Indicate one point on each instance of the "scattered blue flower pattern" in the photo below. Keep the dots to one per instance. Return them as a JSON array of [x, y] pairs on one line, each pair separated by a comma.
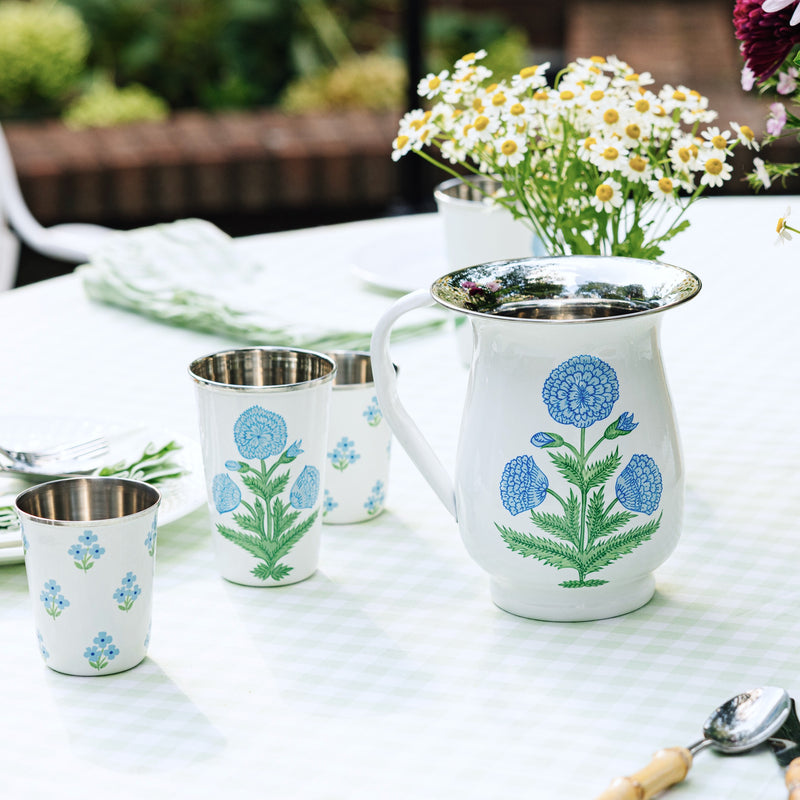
[[127, 594], [54, 601], [343, 454], [305, 490], [328, 503], [639, 485], [150, 539], [374, 503], [86, 551], [523, 486], [259, 433], [42, 649], [225, 492], [373, 413], [580, 391], [102, 651]]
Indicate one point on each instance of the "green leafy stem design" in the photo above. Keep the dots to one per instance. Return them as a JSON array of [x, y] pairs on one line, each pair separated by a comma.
[[268, 527], [588, 534]]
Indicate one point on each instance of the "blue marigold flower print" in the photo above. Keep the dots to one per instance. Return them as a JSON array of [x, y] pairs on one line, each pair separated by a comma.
[[225, 492], [621, 426], [259, 433], [580, 391], [294, 450], [523, 486], [639, 485], [544, 439], [305, 490]]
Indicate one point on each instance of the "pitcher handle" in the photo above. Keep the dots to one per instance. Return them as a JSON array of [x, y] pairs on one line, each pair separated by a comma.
[[403, 427]]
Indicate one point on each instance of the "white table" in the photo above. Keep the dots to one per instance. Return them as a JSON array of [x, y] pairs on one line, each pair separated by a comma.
[[390, 673]]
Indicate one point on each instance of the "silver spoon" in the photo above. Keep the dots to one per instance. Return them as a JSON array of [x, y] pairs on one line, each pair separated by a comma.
[[740, 724]]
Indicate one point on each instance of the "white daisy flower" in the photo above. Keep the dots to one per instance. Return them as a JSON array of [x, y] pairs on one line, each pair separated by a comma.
[[684, 153], [532, 77], [761, 172], [431, 84], [469, 59], [662, 187], [715, 172], [607, 196], [636, 168], [608, 154], [716, 140], [745, 135], [782, 228], [510, 150]]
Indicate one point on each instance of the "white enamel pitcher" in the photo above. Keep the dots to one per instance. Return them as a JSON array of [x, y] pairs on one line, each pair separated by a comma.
[[569, 477]]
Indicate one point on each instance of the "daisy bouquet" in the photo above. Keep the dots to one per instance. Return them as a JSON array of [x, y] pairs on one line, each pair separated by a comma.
[[598, 163]]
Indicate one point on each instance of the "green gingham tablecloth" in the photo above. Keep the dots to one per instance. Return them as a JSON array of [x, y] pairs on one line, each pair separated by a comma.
[[390, 674]]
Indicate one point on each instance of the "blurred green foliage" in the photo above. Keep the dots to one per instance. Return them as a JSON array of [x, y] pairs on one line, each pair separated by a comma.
[[43, 52], [104, 104]]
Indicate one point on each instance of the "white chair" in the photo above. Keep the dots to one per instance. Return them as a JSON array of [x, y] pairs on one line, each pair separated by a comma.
[[72, 242]]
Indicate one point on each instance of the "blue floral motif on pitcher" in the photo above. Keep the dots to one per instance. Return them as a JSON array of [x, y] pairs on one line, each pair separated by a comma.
[[585, 531]]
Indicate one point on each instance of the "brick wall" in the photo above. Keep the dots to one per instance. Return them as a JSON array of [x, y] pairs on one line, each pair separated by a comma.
[[262, 163]]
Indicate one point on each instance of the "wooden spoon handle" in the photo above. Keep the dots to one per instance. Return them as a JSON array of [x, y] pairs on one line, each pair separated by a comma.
[[668, 767], [793, 779]]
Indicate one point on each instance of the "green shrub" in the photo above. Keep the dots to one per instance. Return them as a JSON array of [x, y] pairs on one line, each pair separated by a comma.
[[376, 82], [103, 104], [43, 51]]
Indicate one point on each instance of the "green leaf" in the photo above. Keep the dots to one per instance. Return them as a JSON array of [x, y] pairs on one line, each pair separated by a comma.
[[291, 537], [282, 520], [608, 551], [569, 467], [254, 545], [598, 473], [276, 572], [552, 553], [599, 523], [252, 522], [567, 527], [580, 584]]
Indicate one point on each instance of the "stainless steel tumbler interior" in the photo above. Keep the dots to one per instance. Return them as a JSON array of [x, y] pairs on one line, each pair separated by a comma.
[[477, 189], [262, 367], [353, 368], [87, 499]]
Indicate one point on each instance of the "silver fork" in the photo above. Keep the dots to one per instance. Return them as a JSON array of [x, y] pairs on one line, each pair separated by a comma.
[[78, 451]]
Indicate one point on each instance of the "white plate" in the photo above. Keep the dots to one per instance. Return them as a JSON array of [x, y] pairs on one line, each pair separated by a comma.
[[403, 261], [178, 497]]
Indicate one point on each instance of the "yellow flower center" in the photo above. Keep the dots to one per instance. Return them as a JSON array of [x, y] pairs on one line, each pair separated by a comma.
[[642, 105], [595, 70], [540, 95], [481, 122], [660, 112], [477, 105], [528, 72], [611, 154], [633, 131], [427, 115], [604, 192], [634, 76], [517, 109], [589, 141], [466, 129], [509, 147], [637, 164], [567, 95], [598, 59], [520, 127], [665, 185], [695, 150], [498, 99], [611, 116], [695, 94], [401, 141], [435, 82], [468, 57], [417, 124], [781, 224], [719, 142], [685, 154], [678, 95], [747, 132], [713, 166], [597, 94]]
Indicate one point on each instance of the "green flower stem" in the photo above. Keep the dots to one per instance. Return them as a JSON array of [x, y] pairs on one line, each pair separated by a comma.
[[584, 497]]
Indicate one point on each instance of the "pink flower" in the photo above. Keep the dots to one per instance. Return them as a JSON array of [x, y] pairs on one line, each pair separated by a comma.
[[766, 37], [787, 82], [748, 78], [776, 119]]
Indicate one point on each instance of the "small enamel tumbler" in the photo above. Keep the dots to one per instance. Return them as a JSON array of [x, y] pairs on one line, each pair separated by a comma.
[[90, 556], [263, 416], [359, 443]]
